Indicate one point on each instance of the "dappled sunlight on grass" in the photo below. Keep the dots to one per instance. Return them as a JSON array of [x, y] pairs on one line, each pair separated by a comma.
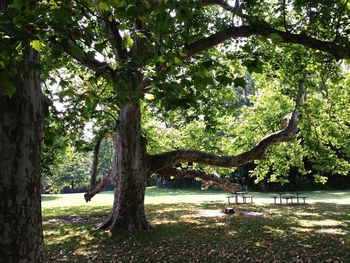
[[194, 232], [321, 223], [306, 214], [273, 231]]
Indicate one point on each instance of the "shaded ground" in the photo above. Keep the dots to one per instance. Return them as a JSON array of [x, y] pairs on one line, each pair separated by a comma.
[[184, 233]]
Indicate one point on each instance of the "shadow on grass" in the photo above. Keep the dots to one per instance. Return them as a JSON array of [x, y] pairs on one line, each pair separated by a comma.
[[308, 233]]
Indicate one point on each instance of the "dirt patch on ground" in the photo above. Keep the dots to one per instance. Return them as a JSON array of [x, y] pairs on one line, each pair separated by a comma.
[[220, 213]]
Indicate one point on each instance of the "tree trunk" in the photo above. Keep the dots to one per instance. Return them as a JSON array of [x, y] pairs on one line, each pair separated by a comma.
[[21, 119], [130, 174], [95, 158]]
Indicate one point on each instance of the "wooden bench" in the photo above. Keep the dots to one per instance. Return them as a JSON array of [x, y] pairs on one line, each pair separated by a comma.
[[228, 199], [288, 197], [275, 199], [297, 197], [239, 195], [245, 197], [302, 197], [285, 198]]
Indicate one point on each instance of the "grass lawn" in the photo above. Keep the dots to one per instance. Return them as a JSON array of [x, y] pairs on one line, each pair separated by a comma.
[[187, 227]]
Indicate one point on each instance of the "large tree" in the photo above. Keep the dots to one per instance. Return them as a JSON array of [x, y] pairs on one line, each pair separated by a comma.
[[173, 50], [22, 111]]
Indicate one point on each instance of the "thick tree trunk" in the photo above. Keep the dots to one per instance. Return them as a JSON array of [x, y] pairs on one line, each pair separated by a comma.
[[130, 174], [21, 119]]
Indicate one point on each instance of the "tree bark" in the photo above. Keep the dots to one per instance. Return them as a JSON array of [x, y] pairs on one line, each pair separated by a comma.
[[95, 159], [208, 179], [99, 186], [130, 174], [167, 159], [21, 121]]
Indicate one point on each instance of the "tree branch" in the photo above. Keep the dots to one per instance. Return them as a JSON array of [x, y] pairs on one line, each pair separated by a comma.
[[164, 160], [98, 140], [206, 177], [75, 51], [101, 184], [265, 30], [111, 27]]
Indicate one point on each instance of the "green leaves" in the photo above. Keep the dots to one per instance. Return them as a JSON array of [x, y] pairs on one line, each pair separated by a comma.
[[275, 38], [77, 51], [254, 65], [37, 45], [103, 6], [239, 82], [128, 42], [60, 16], [149, 96]]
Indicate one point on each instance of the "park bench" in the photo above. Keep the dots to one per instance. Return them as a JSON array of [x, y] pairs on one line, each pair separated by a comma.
[[275, 199], [288, 197], [243, 195]]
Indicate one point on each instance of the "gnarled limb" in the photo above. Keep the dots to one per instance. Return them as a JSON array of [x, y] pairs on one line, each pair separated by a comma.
[[263, 29], [167, 159], [101, 184], [209, 179]]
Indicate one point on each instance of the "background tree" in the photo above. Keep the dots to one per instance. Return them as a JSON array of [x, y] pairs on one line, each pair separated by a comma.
[[179, 53]]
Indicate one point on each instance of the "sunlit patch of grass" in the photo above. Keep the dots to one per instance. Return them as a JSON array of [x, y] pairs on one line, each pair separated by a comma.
[[274, 231], [303, 213], [321, 223]]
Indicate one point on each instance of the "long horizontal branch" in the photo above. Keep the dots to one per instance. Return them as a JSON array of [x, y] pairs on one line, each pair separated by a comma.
[[206, 177], [265, 30], [167, 159], [258, 29]]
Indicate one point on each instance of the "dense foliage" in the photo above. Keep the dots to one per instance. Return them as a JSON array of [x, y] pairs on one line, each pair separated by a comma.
[[223, 100]]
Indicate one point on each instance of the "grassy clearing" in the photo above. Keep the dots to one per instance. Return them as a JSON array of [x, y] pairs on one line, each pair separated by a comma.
[[184, 231], [174, 196]]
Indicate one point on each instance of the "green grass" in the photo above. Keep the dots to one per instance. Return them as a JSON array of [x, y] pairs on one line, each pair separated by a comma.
[[316, 232], [174, 196]]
